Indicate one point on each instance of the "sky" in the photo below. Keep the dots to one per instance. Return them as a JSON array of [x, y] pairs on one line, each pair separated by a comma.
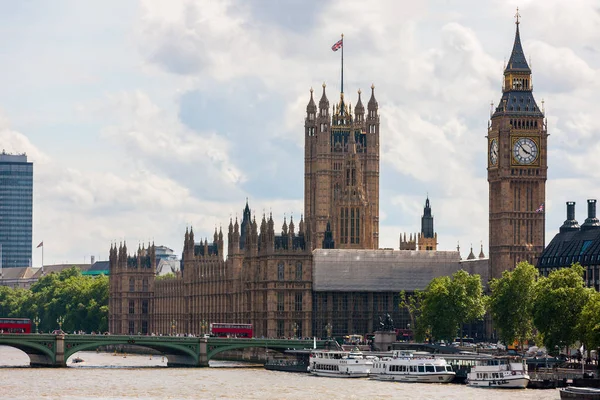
[[146, 117]]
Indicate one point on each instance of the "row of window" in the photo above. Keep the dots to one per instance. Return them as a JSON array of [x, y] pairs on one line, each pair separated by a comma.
[[132, 306], [281, 271], [132, 284], [281, 301]]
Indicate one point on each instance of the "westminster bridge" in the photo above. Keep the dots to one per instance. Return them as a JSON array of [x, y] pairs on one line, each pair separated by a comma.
[[49, 350]]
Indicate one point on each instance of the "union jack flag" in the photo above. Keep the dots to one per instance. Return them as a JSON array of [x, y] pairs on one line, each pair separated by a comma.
[[337, 45], [540, 208]]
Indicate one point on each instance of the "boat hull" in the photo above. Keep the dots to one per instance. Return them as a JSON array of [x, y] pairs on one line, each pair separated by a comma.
[[416, 378], [334, 374], [518, 382], [580, 393]]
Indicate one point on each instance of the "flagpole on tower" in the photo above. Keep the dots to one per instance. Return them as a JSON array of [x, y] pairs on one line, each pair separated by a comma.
[[342, 63]]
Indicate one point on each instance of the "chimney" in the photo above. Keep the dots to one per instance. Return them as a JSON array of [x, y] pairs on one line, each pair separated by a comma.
[[591, 222], [571, 223], [92, 259]]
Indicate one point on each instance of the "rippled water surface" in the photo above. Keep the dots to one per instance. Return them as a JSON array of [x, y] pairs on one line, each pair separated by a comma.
[[105, 376]]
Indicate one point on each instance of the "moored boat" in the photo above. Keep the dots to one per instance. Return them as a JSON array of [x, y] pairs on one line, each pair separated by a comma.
[[340, 364], [499, 372], [408, 367], [580, 393]]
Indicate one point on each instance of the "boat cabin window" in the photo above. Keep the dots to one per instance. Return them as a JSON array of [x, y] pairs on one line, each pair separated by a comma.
[[440, 368], [421, 368], [448, 368], [429, 368]]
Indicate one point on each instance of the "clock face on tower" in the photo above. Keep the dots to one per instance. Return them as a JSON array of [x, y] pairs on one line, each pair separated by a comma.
[[494, 152], [525, 151]]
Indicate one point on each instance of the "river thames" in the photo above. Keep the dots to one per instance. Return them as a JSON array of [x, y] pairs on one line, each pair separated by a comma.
[[105, 376]]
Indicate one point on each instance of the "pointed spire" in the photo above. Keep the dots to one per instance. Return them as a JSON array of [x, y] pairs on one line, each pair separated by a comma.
[[284, 228], [481, 255], [311, 107], [301, 225], [359, 108], [372, 102], [324, 102], [291, 225], [471, 255], [517, 60]]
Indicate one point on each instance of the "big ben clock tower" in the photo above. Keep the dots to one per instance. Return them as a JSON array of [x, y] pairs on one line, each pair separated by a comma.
[[517, 169]]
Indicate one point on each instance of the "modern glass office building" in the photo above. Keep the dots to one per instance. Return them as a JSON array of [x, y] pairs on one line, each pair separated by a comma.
[[16, 209]]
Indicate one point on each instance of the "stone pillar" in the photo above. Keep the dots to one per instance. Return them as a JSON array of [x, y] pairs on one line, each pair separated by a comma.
[[383, 340]]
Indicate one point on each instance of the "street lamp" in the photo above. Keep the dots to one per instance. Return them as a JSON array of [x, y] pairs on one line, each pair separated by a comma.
[[60, 320], [36, 321], [295, 328], [173, 325], [203, 326], [409, 332]]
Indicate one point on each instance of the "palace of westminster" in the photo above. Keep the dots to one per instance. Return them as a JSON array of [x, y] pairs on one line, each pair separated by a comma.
[[327, 275]]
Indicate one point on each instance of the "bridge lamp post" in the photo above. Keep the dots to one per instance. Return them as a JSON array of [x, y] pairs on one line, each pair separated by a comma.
[[36, 321], [295, 328], [328, 328], [409, 333], [203, 326], [173, 325], [60, 320]]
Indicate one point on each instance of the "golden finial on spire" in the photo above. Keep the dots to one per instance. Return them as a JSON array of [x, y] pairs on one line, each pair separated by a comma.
[[359, 92], [517, 16], [311, 90], [372, 86], [324, 85]]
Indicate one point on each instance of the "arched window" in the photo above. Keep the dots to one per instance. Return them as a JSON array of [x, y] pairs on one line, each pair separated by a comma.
[[299, 271], [281, 271], [145, 285], [131, 284]]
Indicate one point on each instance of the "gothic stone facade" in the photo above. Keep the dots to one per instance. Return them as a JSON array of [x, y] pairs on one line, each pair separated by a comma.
[[517, 169], [341, 174], [266, 280]]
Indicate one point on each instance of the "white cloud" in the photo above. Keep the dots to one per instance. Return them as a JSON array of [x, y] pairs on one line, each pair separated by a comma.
[[436, 68]]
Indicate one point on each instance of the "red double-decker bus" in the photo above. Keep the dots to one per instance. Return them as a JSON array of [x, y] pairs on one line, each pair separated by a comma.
[[15, 325], [223, 329]]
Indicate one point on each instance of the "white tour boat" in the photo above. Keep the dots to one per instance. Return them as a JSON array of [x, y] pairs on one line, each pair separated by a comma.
[[410, 367], [499, 372], [340, 364]]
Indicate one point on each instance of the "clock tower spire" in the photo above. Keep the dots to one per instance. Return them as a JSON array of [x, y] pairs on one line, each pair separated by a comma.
[[517, 169]]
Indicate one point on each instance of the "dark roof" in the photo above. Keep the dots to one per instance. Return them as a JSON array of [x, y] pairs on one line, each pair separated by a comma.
[[99, 266], [517, 61], [582, 246], [518, 103]]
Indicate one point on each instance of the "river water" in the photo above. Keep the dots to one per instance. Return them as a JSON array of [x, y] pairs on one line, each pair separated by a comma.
[[106, 376]]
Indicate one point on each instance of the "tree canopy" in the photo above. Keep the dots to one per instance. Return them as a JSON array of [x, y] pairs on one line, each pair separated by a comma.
[[81, 301], [558, 305], [511, 303], [447, 303]]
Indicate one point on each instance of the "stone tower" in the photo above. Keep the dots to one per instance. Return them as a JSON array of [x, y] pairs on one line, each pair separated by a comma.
[[517, 169], [341, 179], [427, 237]]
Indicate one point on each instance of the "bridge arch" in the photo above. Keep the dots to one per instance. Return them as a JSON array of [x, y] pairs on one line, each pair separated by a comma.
[[40, 352]]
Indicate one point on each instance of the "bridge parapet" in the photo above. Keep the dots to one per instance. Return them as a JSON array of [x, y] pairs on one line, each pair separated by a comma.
[[47, 350]]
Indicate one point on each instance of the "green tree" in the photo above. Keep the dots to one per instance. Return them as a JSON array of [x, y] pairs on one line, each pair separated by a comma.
[[448, 303], [82, 301], [557, 307], [412, 304], [511, 303], [589, 322]]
